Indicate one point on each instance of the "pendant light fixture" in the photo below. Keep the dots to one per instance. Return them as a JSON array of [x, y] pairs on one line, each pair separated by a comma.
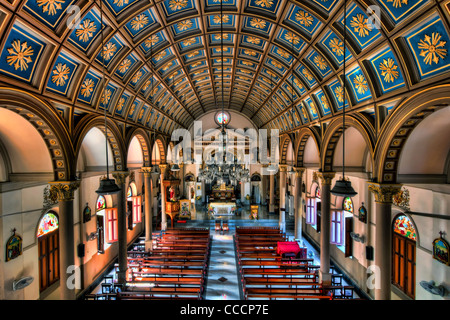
[[107, 186], [292, 90], [342, 187], [271, 167], [155, 168]]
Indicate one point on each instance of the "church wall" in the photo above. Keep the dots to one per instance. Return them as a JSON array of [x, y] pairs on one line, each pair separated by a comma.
[[422, 200], [21, 209]]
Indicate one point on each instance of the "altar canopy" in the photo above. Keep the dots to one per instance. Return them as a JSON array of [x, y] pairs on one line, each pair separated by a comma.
[[222, 208]]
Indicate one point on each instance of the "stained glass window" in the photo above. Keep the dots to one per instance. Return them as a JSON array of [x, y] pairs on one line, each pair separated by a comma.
[[318, 192], [129, 193], [49, 223], [222, 118], [404, 226], [101, 203], [347, 205]]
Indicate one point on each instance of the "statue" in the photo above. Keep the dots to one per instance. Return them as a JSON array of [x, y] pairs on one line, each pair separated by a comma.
[[172, 194]]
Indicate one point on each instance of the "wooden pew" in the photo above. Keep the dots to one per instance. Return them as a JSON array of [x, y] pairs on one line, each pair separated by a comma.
[[134, 295]]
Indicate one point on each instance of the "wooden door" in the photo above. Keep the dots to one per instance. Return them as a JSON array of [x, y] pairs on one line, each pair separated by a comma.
[[48, 260], [404, 264]]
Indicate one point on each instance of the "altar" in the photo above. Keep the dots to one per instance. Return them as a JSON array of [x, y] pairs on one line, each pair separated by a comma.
[[222, 208], [222, 193]]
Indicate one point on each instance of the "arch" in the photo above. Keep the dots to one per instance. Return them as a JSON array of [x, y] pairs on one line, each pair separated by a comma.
[[397, 129], [114, 137], [414, 231], [42, 116], [333, 134], [285, 140], [159, 142], [144, 140], [302, 137], [47, 223]]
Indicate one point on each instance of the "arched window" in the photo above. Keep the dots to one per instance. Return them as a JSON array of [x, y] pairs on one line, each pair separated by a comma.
[[347, 205], [107, 224], [134, 206], [313, 208], [48, 248], [342, 226], [404, 238]]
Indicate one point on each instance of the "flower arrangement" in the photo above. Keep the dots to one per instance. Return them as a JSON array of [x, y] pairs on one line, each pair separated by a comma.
[[198, 197]]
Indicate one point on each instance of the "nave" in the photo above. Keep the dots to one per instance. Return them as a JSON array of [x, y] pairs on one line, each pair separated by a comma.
[[241, 262]]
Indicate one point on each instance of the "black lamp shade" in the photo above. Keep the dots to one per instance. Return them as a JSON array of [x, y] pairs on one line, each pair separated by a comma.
[[175, 167], [108, 186], [343, 188]]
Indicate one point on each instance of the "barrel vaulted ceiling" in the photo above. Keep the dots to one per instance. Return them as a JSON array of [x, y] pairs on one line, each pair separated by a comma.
[[282, 60]]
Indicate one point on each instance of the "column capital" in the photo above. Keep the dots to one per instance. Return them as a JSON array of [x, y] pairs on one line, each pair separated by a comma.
[[384, 193], [163, 167], [120, 176], [326, 177], [63, 190], [146, 171], [299, 171], [283, 167]]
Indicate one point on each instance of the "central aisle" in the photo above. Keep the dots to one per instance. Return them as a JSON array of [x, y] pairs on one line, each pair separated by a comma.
[[222, 279]]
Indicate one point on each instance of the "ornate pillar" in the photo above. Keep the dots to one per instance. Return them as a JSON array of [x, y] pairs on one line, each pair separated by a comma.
[[384, 194], [148, 207], [263, 185], [325, 226], [163, 198], [298, 203], [282, 219], [272, 192], [182, 180], [121, 177], [64, 192]]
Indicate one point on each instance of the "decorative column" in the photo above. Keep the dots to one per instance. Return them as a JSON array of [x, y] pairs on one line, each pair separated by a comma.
[[282, 220], [148, 207], [163, 198], [272, 193], [263, 185], [384, 194], [298, 203], [325, 226], [64, 192], [182, 180], [121, 177]]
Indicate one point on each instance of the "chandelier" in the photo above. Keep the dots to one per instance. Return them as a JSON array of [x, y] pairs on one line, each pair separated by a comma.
[[214, 168]]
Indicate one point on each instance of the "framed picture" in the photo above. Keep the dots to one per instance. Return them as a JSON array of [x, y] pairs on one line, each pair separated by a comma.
[[362, 213], [86, 214], [441, 250], [13, 246]]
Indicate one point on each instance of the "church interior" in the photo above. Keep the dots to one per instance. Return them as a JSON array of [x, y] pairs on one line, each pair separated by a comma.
[[224, 150]]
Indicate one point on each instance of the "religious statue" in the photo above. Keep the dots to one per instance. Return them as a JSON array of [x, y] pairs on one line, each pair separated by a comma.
[[172, 194]]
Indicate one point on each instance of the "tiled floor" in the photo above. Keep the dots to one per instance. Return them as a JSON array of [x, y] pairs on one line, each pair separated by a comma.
[[222, 275]]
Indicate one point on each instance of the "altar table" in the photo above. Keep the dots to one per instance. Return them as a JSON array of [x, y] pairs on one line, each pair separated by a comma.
[[222, 208]]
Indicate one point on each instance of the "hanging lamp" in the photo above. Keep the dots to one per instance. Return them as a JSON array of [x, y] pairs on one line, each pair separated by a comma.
[[271, 167], [107, 186], [342, 187]]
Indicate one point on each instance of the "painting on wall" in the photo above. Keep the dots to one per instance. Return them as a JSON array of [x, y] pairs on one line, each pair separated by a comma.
[[87, 213], [185, 212], [441, 250], [362, 213], [13, 246]]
